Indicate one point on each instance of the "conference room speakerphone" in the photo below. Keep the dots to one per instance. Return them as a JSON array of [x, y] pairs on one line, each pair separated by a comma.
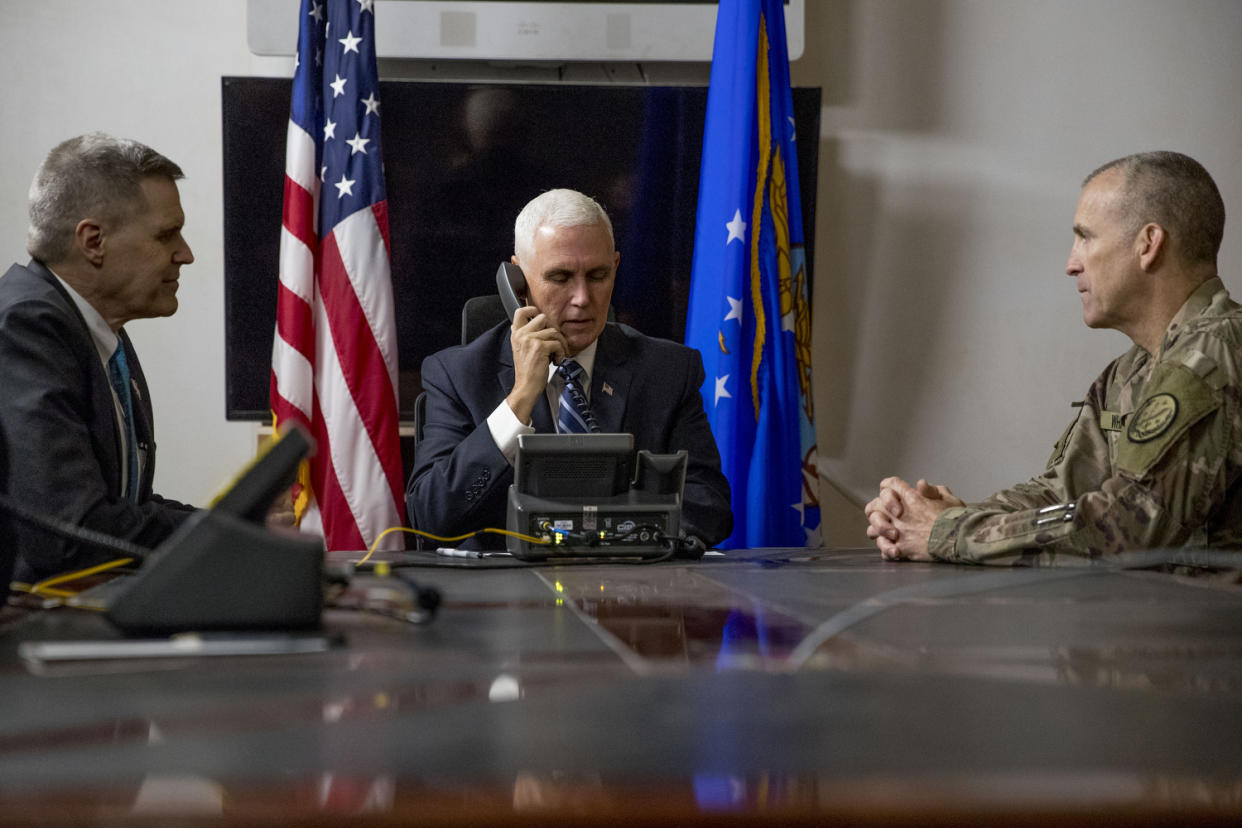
[[575, 493], [591, 527]]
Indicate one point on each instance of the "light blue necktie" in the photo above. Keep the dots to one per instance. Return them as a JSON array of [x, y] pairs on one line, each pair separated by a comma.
[[574, 416], [118, 375]]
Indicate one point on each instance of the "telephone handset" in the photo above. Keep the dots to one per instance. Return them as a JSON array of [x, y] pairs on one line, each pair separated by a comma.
[[511, 285]]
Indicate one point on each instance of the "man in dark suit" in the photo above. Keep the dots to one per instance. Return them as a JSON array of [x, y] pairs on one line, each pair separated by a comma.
[[481, 396], [76, 432]]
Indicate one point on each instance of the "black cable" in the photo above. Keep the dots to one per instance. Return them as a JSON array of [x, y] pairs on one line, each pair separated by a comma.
[[426, 598], [64, 529], [690, 546]]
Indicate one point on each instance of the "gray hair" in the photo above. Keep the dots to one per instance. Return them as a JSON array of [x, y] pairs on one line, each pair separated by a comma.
[[556, 208], [90, 176], [1176, 192]]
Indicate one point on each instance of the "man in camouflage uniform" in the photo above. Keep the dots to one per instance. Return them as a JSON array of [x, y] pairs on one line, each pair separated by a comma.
[[1154, 456]]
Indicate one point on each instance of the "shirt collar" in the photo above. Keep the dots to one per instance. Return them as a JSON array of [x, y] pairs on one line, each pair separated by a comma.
[[585, 358], [102, 335], [1195, 304]]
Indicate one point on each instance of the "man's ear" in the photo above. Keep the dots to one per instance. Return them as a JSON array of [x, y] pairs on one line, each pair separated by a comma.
[[1150, 244], [88, 237]]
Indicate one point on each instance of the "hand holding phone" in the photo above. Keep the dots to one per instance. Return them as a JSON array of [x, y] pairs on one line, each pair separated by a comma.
[[534, 341]]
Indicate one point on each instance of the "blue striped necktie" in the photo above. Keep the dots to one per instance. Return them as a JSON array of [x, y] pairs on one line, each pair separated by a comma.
[[574, 416], [118, 375]]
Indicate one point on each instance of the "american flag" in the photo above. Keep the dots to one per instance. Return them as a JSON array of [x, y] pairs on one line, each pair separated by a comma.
[[334, 358]]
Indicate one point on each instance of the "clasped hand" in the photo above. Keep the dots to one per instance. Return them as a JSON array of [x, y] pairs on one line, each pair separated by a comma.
[[900, 517]]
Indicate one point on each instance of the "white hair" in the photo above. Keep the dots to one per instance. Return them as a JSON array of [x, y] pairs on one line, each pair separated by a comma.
[[556, 208]]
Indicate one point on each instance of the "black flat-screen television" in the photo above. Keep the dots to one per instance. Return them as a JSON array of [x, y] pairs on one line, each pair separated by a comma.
[[460, 160]]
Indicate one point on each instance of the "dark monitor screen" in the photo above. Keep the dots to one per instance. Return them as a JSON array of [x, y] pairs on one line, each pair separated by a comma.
[[460, 161], [573, 466]]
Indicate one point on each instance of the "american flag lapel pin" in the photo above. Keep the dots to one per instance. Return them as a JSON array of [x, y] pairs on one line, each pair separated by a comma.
[[607, 389]]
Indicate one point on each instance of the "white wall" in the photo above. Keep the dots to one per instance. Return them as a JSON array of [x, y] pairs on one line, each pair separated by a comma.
[[954, 137], [149, 70], [955, 134]]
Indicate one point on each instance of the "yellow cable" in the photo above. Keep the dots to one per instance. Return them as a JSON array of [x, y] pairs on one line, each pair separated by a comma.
[[18, 586], [382, 535], [38, 589]]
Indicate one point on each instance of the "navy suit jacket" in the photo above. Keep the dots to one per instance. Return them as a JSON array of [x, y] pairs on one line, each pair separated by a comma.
[[60, 453], [640, 385]]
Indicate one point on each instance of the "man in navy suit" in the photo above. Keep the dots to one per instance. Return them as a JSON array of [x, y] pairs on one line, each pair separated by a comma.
[[481, 396], [76, 432]]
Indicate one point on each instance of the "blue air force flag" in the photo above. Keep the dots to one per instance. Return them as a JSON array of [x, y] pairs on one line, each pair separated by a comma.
[[748, 313]]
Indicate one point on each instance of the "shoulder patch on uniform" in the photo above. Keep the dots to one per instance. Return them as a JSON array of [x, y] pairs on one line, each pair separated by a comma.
[[1177, 398], [1153, 418]]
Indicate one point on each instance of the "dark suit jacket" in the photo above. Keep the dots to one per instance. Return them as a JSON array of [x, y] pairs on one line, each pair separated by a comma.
[[461, 480], [59, 450]]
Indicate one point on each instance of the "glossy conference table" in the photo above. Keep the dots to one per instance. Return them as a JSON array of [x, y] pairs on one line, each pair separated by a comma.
[[777, 686]]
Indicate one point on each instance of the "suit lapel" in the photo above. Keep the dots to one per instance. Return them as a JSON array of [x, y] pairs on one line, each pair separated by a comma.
[[100, 386], [610, 381]]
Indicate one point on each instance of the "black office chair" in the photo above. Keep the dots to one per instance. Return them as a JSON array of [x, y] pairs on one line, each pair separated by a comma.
[[420, 417], [479, 314]]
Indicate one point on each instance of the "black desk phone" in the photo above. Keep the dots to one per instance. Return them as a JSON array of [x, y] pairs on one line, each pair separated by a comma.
[[511, 285]]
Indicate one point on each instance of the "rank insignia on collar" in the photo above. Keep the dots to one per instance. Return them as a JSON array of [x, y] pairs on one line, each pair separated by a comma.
[[1153, 418]]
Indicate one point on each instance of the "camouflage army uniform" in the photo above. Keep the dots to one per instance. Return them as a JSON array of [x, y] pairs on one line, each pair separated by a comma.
[[1153, 458]]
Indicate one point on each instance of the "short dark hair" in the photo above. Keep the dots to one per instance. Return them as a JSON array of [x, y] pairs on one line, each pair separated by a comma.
[[1176, 192], [90, 175]]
